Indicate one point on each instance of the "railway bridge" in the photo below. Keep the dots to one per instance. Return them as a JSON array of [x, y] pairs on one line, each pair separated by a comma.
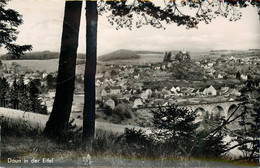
[[224, 108], [221, 108]]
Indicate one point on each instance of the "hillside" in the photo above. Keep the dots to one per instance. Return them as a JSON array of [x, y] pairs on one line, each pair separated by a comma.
[[38, 121], [41, 55], [148, 52], [121, 54]]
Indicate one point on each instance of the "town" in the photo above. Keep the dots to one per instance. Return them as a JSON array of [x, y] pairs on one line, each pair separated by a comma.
[[127, 92]]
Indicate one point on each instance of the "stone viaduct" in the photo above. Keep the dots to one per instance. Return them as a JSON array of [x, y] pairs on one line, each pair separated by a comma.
[[221, 108]]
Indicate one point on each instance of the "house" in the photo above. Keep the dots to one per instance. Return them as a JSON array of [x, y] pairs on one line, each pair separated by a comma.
[[144, 95], [195, 92], [149, 92], [189, 91], [178, 89], [111, 103], [137, 103], [243, 77], [173, 90], [115, 90], [44, 74], [103, 93], [163, 67], [220, 76], [223, 90], [234, 92], [136, 76], [210, 91]]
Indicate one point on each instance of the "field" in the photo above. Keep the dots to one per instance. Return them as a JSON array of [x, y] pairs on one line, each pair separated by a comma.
[[50, 65]]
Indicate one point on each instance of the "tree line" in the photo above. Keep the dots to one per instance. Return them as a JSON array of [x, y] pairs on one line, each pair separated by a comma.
[[22, 96]]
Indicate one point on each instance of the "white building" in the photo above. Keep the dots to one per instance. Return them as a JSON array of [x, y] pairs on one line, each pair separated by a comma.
[[210, 91], [137, 103], [111, 103]]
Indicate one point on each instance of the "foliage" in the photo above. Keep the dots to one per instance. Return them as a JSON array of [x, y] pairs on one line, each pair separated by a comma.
[[186, 70], [247, 134], [167, 57], [123, 12], [176, 126], [21, 96], [238, 75], [51, 81], [10, 20], [210, 145], [108, 110], [4, 88], [120, 113], [137, 143], [183, 57], [34, 99]]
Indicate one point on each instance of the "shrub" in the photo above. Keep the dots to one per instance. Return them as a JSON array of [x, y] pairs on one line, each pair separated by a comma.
[[107, 110], [137, 143]]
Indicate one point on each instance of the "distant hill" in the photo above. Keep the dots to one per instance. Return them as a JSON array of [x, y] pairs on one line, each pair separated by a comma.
[[121, 54], [41, 56], [148, 52]]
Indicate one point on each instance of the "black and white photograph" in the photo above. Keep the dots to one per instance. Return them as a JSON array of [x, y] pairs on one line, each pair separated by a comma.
[[129, 83]]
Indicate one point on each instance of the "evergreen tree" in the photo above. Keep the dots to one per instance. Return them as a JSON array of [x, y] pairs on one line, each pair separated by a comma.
[[51, 81], [34, 101], [247, 135], [10, 20], [238, 75], [23, 95], [210, 144], [14, 95], [177, 127], [4, 88]]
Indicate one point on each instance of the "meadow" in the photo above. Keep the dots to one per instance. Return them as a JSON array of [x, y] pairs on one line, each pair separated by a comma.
[[51, 65]]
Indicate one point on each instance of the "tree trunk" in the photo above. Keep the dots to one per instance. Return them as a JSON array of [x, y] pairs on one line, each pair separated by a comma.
[[66, 72], [90, 71]]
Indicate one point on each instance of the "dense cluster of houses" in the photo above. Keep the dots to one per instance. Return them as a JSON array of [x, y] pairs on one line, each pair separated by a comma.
[[127, 84], [148, 97], [14, 71], [209, 64]]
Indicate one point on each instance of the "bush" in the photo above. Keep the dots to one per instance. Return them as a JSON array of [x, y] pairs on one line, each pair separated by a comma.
[[137, 143], [122, 111], [108, 110]]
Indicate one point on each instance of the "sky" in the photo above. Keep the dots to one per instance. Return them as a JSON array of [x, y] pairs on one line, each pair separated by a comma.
[[42, 29]]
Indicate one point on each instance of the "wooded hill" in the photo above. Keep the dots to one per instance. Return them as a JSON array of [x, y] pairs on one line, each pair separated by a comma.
[[116, 55], [121, 54]]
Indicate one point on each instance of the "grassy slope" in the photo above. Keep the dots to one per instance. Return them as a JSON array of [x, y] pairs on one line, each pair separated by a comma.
[[20, 141]]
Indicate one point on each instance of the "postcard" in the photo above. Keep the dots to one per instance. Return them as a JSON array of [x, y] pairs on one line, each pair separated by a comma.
[[129, 83]]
